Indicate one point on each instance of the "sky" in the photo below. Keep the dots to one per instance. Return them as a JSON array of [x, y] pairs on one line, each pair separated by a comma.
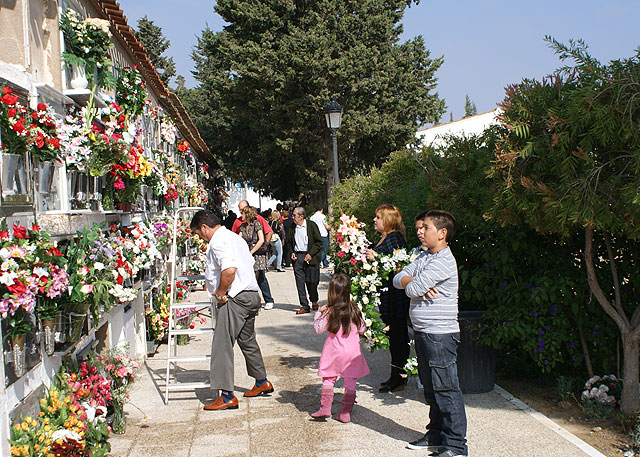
[[486, 44]]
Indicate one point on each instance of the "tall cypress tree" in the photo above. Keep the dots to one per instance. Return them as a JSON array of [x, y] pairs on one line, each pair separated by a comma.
[[150, 36], [266, 79]]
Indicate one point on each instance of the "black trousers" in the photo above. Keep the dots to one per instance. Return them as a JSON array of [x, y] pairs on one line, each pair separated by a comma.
[[307, 279], [398, 342]]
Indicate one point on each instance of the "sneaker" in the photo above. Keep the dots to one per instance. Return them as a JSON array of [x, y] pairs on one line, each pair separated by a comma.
[[268, 305], [448, 453], [424, 444]]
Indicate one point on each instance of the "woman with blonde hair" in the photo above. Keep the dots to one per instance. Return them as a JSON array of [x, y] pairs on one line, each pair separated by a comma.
[[394, 303], [276, 240]]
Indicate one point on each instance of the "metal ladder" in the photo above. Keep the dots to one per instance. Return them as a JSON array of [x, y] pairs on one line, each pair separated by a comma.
[[172, 340]]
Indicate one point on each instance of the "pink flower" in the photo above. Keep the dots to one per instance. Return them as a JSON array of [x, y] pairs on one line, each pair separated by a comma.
[[122, 372], [341, 254], [119, 184], [353, 261], [86, 288], [83, 270]]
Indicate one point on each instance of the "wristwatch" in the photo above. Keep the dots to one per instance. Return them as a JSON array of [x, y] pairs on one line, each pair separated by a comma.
[[221, 297]]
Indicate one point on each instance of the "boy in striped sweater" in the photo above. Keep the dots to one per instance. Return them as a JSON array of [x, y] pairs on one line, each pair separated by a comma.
[[434, 317]]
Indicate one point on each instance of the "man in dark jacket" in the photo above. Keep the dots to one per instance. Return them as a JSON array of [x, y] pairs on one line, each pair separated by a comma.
[[287, 224], [305, 243]]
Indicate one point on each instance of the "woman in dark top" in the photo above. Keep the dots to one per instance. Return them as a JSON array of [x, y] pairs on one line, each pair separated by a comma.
[[394, 304]]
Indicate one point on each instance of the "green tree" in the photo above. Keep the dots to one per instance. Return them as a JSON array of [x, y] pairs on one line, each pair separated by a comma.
[[469, 107], [570, 160], [150, 36], [266, 79]]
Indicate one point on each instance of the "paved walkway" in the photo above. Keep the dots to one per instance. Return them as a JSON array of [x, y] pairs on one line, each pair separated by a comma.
[[279, 425]]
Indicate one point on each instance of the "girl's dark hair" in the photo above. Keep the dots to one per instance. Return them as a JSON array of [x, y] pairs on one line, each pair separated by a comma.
[[342, 312]]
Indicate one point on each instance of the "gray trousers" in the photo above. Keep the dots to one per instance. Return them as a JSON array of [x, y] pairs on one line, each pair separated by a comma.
[[235, 321]]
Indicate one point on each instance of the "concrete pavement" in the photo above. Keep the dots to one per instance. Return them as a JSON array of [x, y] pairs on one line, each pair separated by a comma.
[[279, 425]]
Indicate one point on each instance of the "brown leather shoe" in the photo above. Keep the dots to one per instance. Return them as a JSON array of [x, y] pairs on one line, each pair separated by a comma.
[[219, 404], [263, 390], [314, 306], [303, 311]]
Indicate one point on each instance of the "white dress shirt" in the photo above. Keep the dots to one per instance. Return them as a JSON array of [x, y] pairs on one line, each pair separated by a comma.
[[301, 237], [228, 250]]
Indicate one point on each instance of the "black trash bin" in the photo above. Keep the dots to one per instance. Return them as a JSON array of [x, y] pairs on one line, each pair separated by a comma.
[[476, 362]]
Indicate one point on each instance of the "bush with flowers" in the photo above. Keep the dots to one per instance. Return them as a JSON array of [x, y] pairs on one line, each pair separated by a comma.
[[601, 395]]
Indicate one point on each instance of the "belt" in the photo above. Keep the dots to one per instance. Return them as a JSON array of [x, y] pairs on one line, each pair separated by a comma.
[[300, 252]]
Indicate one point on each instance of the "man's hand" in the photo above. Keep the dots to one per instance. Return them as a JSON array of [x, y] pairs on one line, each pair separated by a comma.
[[307, 258], [431, 293], [293, 256]]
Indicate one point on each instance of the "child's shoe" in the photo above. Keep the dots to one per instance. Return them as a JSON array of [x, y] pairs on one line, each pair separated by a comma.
[[348, 400], [326, 399]]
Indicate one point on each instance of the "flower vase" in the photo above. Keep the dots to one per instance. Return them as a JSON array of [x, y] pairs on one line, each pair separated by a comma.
[[78, 77], [151, 347], [18, 354], [49, 332], [118, 421], [123, 206], [14, 179], [46, 172], [74, 323]]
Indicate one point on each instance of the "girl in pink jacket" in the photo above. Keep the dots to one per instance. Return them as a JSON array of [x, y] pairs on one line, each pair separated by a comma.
[[341, 355]]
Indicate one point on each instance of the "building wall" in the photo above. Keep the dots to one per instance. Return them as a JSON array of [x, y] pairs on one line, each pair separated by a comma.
[[472, 125]]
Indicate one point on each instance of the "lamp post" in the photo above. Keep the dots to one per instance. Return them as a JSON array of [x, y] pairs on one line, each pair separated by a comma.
[[333, 115]]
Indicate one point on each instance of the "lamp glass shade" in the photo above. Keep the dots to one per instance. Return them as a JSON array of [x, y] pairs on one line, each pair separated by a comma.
[[333, 115]]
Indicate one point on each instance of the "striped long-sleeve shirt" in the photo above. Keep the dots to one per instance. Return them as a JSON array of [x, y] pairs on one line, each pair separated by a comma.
[[440, 314]]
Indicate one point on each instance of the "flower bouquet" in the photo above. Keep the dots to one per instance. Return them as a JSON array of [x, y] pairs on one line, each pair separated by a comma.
[[120, 368], [131, 93], [600, 395]]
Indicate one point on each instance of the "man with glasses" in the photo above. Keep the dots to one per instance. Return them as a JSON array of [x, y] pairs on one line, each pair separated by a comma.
[[305, 243]]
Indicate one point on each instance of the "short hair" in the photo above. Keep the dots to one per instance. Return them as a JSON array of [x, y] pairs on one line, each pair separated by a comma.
[[391, 219], [279, 207], [319, 208], [420, 216], [300, 211], [443, 220], [206, 217], [249, 213]]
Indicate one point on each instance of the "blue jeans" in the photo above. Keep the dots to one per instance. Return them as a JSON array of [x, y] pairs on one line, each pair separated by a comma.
[[264, 286], [278, 255], [438, 371], [325, 249]]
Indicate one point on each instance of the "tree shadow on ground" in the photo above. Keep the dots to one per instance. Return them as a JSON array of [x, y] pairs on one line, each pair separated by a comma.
[[307, 399]]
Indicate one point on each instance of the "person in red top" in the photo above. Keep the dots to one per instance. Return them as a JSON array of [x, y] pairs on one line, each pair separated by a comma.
[[268, 233]]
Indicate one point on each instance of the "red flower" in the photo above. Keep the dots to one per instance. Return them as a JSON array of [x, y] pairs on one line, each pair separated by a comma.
[[35, 228], [11, 112], [4, 235], [6, 90], [42, 107], [20, 232], [55, 251], [17, 288], [353, 260], [18, 127], [9, 99]]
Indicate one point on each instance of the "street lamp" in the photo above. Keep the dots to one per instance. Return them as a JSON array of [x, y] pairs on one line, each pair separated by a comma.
[[333, 115]]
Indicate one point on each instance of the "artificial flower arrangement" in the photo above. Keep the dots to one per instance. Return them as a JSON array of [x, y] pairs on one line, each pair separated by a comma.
[[23, 129], [167, 130], [195, 192], [131, 92], [74, 140], [121, 369], [157, 315], [203, 170], [349, 256], [162, 232], [107, 144], [184, 150], [88, 42]]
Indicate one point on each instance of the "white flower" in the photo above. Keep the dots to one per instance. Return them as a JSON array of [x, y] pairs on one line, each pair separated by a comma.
[[65, 435], [4, 253], [40, 272], [7, 278], [99, 266]]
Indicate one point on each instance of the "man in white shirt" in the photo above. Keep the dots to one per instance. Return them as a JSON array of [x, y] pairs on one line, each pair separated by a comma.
[[321, 221], [231, 280]]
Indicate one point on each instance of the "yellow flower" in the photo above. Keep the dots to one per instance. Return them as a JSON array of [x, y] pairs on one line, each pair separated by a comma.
[[25, 426]]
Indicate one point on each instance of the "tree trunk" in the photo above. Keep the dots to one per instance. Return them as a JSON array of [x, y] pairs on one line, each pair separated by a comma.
[[630, 396], [629, 330]]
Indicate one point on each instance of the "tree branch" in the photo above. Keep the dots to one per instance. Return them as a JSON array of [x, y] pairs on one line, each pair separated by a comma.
[[620, 319], [614, 273]]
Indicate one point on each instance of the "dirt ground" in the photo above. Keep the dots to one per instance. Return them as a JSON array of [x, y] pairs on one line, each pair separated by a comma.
[[607, 436]]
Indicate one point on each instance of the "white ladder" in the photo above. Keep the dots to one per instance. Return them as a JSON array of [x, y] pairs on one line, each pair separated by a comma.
[[172, 340]]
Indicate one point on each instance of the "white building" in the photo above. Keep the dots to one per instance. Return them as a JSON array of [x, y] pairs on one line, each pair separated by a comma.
[[472, 125]]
